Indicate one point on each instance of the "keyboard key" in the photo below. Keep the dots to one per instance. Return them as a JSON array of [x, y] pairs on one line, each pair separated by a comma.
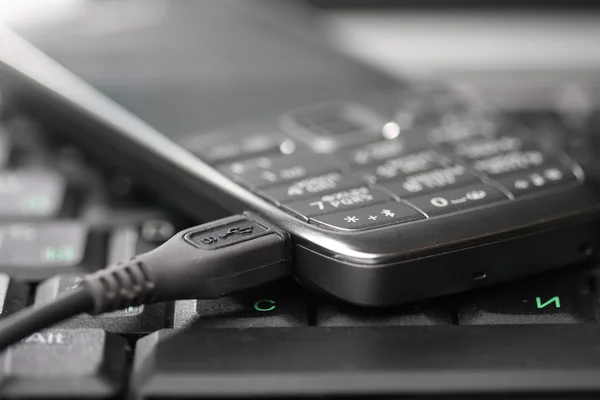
[[5, 148], [345, 200], [399, 167], [464, 198], [278, 305], [562, 299], [549, 176], [122, 245], [379, 362], [310, 187], [594, 279], [594, 285], [269, 171], [369, 217], [434, 180], [333, 313], [38, 251], [26, 194], [13, 295], [141, 319], [58, 363], [154, 232], [127, 241]]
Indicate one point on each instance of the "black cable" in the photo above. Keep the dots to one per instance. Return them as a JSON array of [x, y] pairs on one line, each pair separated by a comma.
[[207, 261], [33, 319]]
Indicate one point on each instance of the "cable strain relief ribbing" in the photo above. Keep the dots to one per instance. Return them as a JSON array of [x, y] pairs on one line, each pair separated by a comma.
[[120, 286]]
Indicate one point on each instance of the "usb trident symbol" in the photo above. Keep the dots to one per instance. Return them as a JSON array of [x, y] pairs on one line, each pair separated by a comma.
[[237, 230]]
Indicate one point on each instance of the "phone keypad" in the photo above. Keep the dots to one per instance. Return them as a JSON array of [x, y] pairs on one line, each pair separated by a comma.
[[382, 173]]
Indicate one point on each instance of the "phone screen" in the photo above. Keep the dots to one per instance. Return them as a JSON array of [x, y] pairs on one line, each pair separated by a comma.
[[190, 67]]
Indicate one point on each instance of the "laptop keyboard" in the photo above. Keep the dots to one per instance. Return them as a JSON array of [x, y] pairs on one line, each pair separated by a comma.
[[62, 216]]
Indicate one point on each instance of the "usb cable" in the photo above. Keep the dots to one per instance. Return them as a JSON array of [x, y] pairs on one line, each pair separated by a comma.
[[208, 261]]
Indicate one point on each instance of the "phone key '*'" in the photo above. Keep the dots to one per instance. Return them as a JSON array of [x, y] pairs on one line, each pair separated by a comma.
[[369, 217]]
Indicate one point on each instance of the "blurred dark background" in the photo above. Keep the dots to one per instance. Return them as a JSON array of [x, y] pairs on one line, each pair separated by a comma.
[[530, 55], [448, 4]]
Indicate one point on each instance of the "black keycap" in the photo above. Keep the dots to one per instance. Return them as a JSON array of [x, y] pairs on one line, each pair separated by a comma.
[[13, 295], [4, 148], [37, 251], [369, 217], [279, 305], [310, 187], [60, 364], [123, 244], [345, 200], [559, 299], [141, 319], [154, 232], [593, 121], [463, 198], [127, 241], [594, 284], [549, 176], [269, 171], [28, 194], [386, 362], [333, 313], [435, 180], [399, 167]]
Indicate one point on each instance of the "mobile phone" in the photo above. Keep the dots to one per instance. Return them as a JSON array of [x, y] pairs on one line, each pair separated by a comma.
[[393, 191]]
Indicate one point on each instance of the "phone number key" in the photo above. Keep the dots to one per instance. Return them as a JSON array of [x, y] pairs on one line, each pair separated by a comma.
[[449, 201], [344, 200], [431, 181], [548, 176]]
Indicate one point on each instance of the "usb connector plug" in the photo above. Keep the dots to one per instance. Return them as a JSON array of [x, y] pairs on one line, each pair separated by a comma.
[[207, 261]]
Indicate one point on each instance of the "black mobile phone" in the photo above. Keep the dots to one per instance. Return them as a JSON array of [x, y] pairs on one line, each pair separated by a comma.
[[393, 191]]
